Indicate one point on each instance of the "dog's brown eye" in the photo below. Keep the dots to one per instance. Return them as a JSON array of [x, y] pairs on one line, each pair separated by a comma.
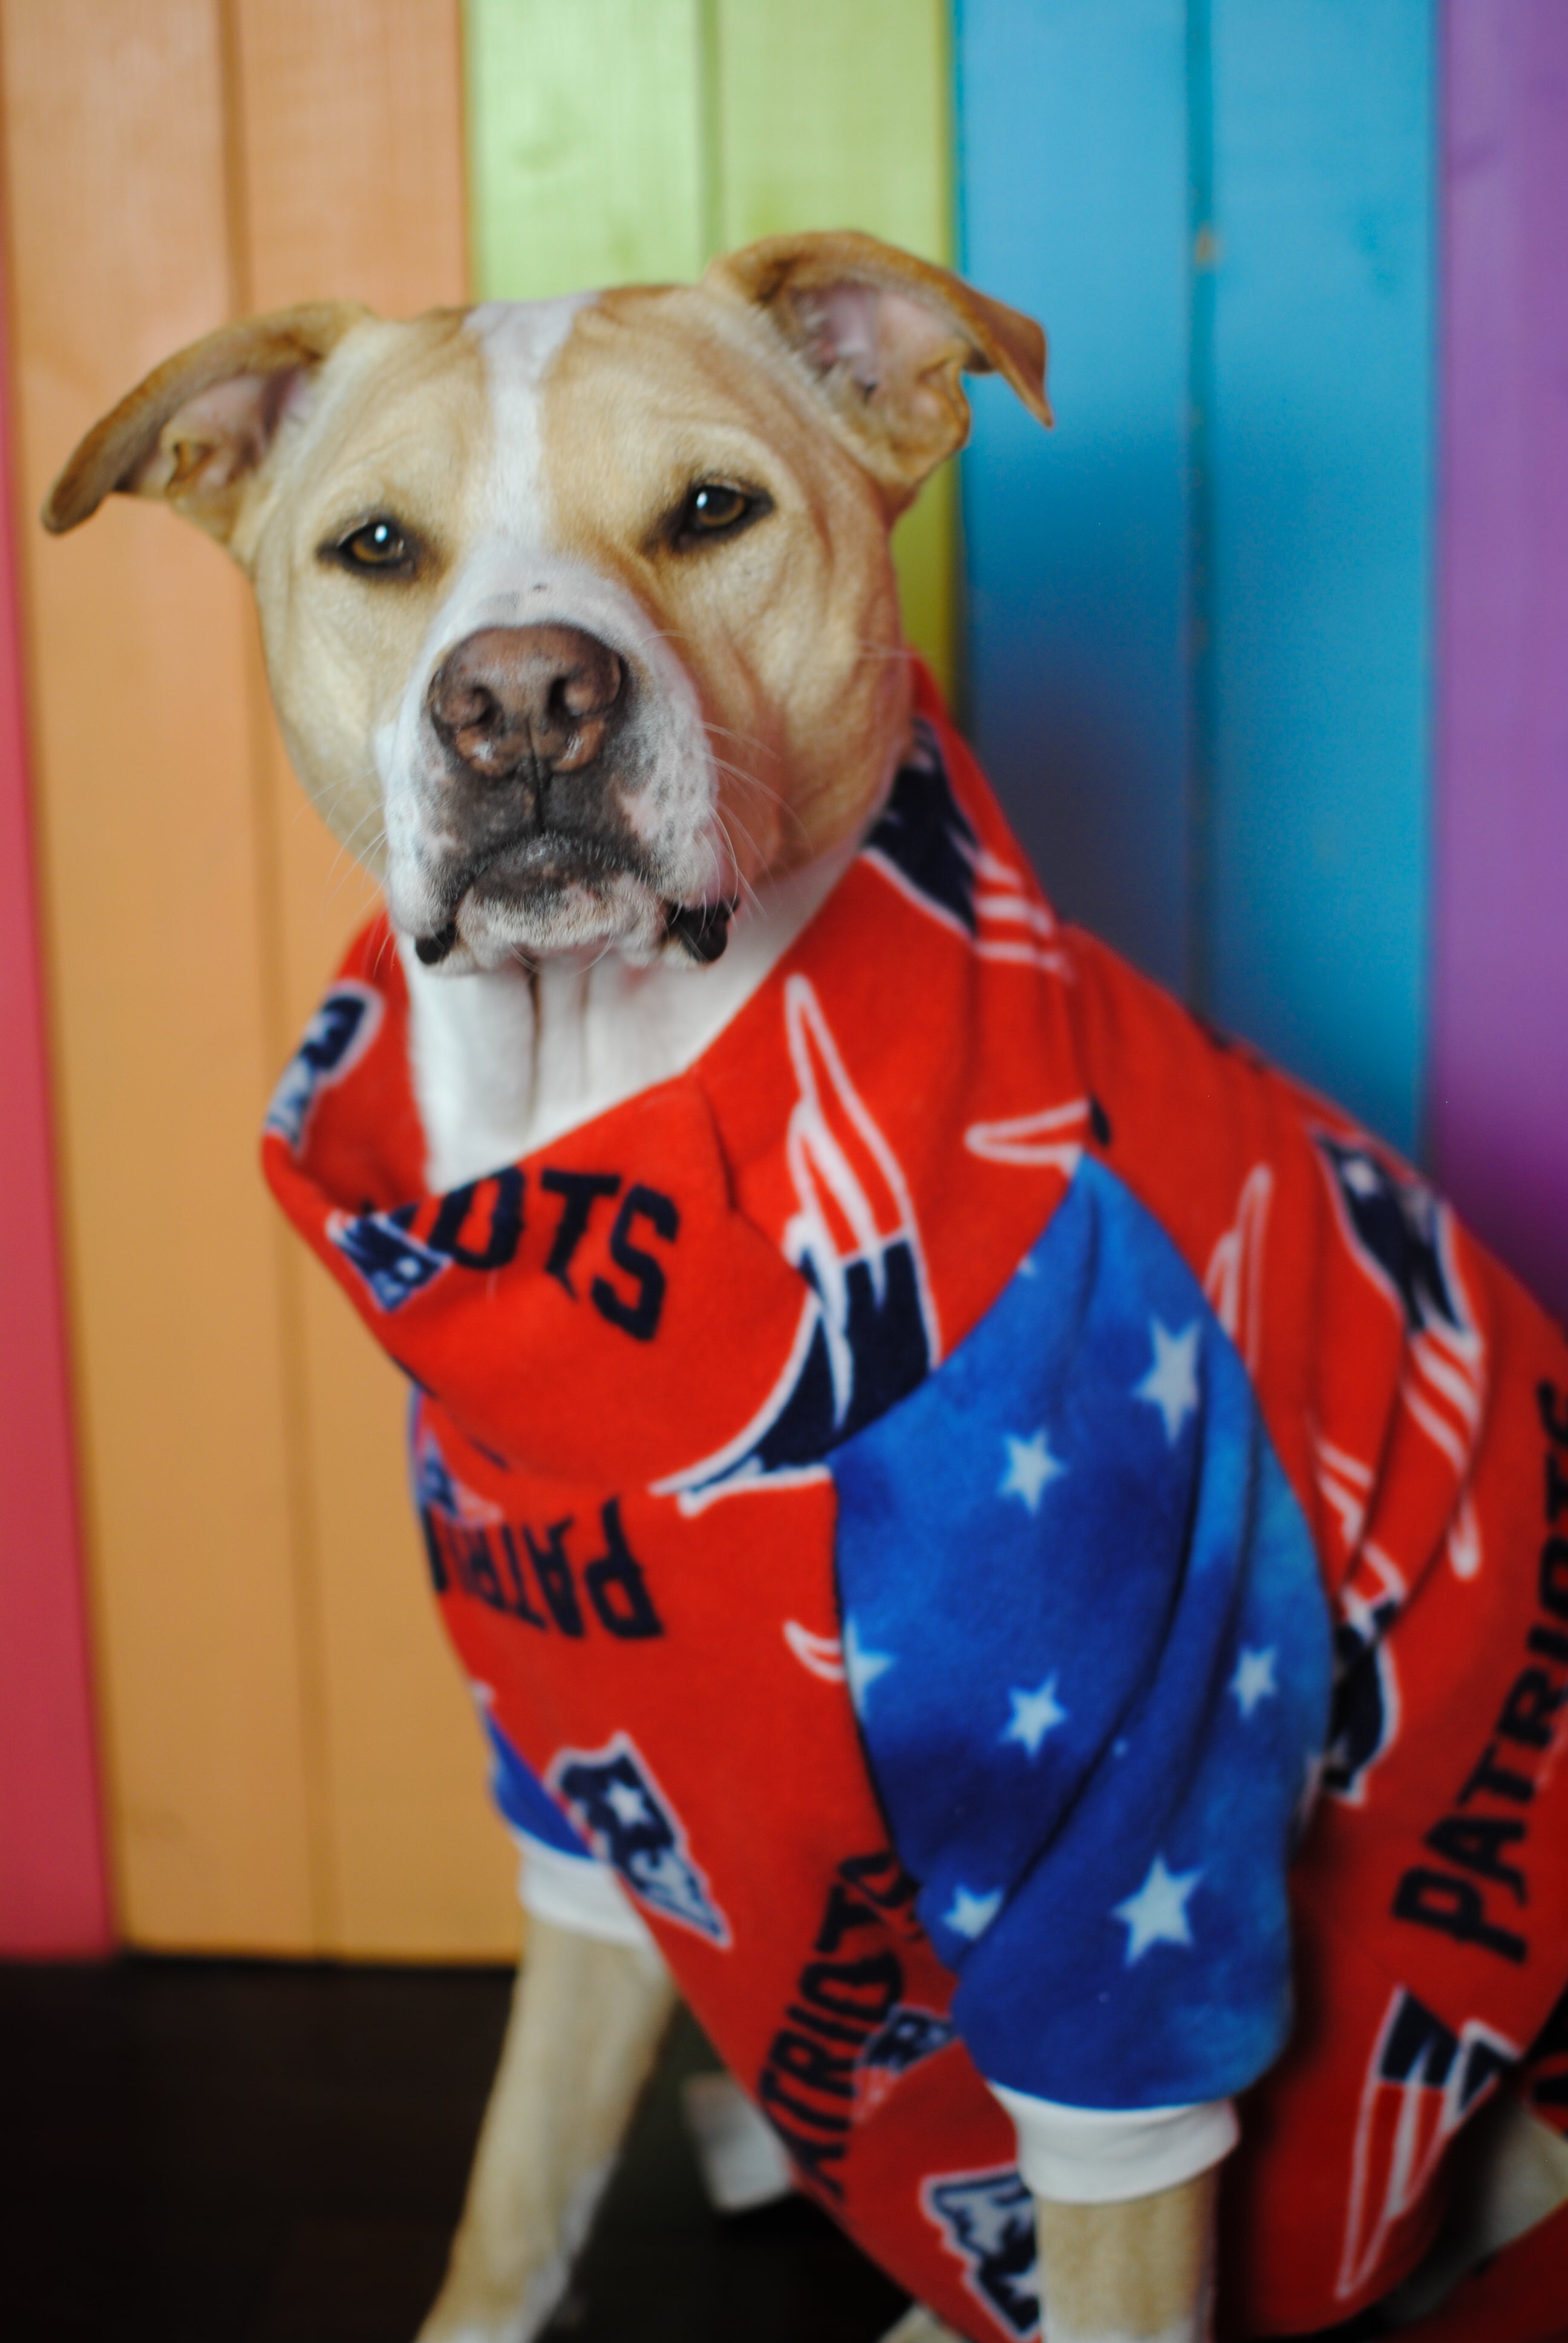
[[381, 544], [718, 509]]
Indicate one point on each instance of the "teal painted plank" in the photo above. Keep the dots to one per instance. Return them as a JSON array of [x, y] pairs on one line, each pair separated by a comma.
[[1320, 462], [1074, 205]]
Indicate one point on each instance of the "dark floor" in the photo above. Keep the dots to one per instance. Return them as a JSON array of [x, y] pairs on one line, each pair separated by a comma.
[[234, 2152]]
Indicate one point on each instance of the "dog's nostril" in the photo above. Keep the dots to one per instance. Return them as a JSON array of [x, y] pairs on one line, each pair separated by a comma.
[[474, 709]]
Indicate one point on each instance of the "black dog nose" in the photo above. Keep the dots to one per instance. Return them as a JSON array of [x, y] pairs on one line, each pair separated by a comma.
[[539, 698]]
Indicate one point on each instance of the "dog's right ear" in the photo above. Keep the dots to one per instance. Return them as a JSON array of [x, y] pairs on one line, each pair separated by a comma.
[[202, 424]]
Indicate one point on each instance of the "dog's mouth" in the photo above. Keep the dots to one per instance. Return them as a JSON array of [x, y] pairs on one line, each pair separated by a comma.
[[519, 887]]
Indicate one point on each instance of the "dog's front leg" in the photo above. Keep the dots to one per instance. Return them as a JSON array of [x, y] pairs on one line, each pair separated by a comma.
[[1142, 2269], [586, 2023]]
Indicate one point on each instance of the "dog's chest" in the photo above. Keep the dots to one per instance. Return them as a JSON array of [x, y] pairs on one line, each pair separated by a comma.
[[504, 1062]]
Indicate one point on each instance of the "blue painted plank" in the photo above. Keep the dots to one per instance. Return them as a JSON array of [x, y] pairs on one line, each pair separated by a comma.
[[1073, 206], [1320, 464]]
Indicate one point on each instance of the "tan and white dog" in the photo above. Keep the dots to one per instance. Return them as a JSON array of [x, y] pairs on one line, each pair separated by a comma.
[[582, 624]]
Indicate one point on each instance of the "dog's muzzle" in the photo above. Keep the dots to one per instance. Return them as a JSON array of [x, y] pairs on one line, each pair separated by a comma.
[[528, 718]]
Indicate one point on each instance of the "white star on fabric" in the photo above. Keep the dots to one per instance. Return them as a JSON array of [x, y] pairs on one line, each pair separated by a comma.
[[1029, 1466], [1254, 1678], [627, 1804], [1034, 1714], [1171, 1382], [1361, 1177], [1157, 1915], [861, 1667], [970, 1915]]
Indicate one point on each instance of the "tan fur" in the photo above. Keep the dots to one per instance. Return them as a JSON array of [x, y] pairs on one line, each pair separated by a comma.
[[792, 636]]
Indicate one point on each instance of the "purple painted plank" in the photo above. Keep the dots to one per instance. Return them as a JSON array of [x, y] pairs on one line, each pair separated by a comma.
[[1500, 1067]]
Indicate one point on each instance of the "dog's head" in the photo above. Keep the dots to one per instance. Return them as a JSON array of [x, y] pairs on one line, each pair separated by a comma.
[[579, 614]]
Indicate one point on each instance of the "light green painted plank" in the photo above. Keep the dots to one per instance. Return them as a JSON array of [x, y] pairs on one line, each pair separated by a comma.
[[614, 140], [838, 114], [586, 138]]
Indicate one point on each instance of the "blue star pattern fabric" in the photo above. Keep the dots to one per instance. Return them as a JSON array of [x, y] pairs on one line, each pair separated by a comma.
[[1086, 1642]]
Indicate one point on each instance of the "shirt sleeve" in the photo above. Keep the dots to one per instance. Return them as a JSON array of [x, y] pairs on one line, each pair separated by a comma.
[[1088, 1648], [1089, 2155]]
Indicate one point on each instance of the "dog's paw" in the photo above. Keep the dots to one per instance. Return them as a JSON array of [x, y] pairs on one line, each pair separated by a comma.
[[920, 2324]]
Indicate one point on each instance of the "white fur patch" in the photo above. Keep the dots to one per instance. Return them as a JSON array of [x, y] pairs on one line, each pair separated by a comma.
[[503, 1063], [512, 575]]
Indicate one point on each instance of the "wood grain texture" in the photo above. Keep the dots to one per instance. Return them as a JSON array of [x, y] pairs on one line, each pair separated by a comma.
[[585, 143], [148, 838], [54, 1897], [348, 131]]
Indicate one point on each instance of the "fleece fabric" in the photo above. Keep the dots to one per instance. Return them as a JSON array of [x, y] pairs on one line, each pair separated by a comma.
[[942, 1495]]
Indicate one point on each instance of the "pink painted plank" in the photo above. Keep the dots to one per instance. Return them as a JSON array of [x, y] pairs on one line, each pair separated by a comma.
[[1500, 1067], [53, 1896]]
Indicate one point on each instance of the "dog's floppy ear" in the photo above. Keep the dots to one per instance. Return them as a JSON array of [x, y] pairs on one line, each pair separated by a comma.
[[203, 422], [888, 338]]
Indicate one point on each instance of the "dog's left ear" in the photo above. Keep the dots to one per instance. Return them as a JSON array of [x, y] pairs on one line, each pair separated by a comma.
[[888, 338], [197, 429]]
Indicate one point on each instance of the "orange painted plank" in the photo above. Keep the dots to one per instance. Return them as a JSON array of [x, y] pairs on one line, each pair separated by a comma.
[[150, 843], [351, 133]]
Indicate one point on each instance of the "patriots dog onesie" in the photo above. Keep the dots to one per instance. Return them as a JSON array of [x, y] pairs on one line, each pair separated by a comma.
[[1034, 1551]]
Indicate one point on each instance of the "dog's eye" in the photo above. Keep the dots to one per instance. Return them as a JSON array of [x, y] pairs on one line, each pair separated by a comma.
[[380, 544], [716, 508]]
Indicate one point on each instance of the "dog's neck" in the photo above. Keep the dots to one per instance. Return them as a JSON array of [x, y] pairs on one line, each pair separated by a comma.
[[505, 1061]]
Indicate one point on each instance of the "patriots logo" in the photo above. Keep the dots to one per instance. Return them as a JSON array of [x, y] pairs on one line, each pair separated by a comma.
[[1422, 2083], [628, 1821], [924, 842], [336, 1039], [393, 1264], [1363, 1715], [907, 2036], [1402, 1235], [925, 846], [986, 2219], [1400, 1230], [867, 1333]]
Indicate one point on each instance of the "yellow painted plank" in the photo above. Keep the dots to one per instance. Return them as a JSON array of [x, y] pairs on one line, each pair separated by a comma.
[[139, 641], [831, 116], [585, 143], [416, 1863]]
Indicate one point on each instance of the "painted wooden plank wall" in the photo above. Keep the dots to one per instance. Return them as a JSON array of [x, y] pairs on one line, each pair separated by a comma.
[[1072, 142], [623, 141], [1500, 1083], [53, 1888], [1199, 634], [292, 1764]]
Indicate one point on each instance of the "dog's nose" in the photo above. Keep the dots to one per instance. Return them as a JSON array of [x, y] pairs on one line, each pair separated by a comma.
[[525, 699]]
